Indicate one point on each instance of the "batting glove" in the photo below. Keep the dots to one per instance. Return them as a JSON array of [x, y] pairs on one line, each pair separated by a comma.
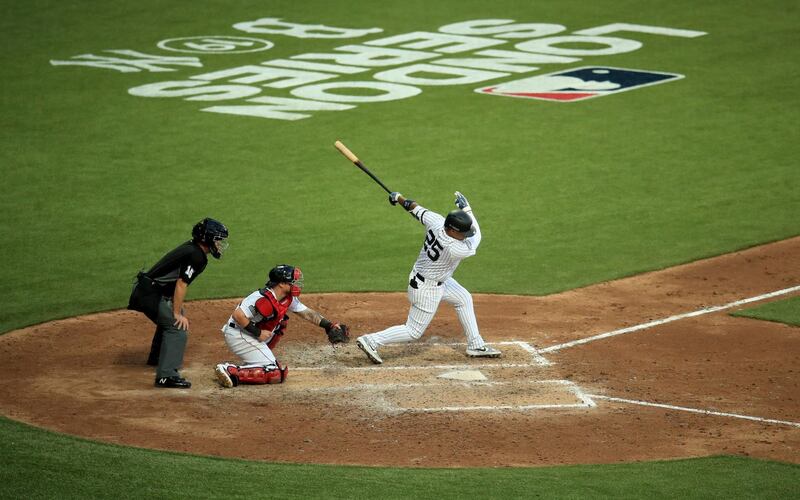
[[461, 201], [393, 197]]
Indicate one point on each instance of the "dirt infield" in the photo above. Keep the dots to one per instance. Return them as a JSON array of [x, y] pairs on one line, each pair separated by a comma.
[[724, 384]]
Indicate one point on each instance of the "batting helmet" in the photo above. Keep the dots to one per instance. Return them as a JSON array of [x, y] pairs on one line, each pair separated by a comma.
[[213, 234], [460, 221], [285, 273]]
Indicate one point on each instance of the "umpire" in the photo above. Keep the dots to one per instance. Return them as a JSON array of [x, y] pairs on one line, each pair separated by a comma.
[[160, 292]]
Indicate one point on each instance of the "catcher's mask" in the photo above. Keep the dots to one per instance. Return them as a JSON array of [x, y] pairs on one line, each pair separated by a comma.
[[213, 234], [285, 273], [460, 221]]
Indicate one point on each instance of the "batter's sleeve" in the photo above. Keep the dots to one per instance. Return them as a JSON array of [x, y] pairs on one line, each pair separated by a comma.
[[428, 218], [475, 239]]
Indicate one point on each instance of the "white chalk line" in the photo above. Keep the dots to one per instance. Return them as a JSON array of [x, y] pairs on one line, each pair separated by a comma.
[[585, 400], [414, 367], [448, 383], [670, 319], [537, 360], [497, 408], [533, 351], [696, 410]]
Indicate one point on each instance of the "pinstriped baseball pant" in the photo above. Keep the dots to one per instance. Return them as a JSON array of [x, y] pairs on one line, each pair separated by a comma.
[[425, 301]]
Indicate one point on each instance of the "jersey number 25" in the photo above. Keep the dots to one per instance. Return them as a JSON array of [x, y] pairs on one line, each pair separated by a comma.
[[432, 246]]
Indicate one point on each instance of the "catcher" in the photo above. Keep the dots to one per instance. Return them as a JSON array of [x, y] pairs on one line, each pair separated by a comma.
[[265, 310]]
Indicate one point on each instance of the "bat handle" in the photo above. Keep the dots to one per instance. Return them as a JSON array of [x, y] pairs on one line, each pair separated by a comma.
[[383, 186], [374, 178], [346, 152]]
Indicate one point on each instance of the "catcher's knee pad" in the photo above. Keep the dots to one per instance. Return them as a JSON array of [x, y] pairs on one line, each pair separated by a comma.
[[271, 374]]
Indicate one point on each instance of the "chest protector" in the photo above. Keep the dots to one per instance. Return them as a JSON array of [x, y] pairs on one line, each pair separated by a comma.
[[270, 309]]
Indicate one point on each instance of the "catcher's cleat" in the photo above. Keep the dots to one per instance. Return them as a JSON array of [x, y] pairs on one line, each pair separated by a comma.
[[486, 351], [369, 349], [173, 382], [224, 376]]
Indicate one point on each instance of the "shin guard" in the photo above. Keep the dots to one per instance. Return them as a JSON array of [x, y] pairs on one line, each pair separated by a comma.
[[271, 374]]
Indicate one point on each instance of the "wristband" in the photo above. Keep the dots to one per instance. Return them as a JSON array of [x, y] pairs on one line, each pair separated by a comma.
[[325, 323], [253, 329], [407, 204]]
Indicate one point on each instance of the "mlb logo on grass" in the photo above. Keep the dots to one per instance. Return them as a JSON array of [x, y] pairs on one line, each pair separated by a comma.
[[579, 84]]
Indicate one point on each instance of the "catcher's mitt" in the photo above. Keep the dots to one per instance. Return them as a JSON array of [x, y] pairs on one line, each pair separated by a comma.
[[337, 333]]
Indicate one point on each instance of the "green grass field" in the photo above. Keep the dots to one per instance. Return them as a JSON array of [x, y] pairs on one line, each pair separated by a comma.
[[782, 311], [99, 183], [55, 466]]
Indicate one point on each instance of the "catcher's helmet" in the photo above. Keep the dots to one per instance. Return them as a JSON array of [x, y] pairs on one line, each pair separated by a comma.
[[460, 221], [213, 234], [285, 273]]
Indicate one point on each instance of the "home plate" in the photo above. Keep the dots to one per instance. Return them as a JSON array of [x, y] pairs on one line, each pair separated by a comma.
[[463, 375]]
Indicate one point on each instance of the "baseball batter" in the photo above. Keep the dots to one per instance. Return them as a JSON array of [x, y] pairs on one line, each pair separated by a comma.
[[265, 310], [448, 241]]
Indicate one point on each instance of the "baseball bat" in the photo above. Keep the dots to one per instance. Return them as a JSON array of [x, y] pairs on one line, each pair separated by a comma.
[[350, 156]]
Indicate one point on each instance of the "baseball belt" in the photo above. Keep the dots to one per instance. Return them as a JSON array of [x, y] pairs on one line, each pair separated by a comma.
[[418, 277]]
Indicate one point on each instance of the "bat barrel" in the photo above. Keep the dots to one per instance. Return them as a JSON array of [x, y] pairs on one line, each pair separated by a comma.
[[345, 151]]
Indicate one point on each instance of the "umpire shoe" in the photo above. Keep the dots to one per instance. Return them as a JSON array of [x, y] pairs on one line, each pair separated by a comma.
[[173, 382], [369, 349], [486, 351]]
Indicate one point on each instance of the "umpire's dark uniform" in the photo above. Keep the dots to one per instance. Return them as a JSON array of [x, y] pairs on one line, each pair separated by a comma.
[[184, 263], [155, 292]]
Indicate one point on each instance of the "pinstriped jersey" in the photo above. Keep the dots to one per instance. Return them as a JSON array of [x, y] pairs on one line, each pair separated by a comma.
[[440, 254]]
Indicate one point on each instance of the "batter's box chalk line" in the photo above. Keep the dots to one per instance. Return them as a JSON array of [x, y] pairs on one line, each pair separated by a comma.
[[536, 359], [584, 400]]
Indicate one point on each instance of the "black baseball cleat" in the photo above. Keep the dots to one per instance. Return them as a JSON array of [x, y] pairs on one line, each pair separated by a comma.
[[173, 382]]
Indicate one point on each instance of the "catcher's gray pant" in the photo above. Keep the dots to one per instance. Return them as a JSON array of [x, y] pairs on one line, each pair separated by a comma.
[[252, 352], [425, 299], [173, 343]]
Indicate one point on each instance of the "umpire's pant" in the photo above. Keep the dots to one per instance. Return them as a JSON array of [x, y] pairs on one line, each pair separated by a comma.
[[173, 343]]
